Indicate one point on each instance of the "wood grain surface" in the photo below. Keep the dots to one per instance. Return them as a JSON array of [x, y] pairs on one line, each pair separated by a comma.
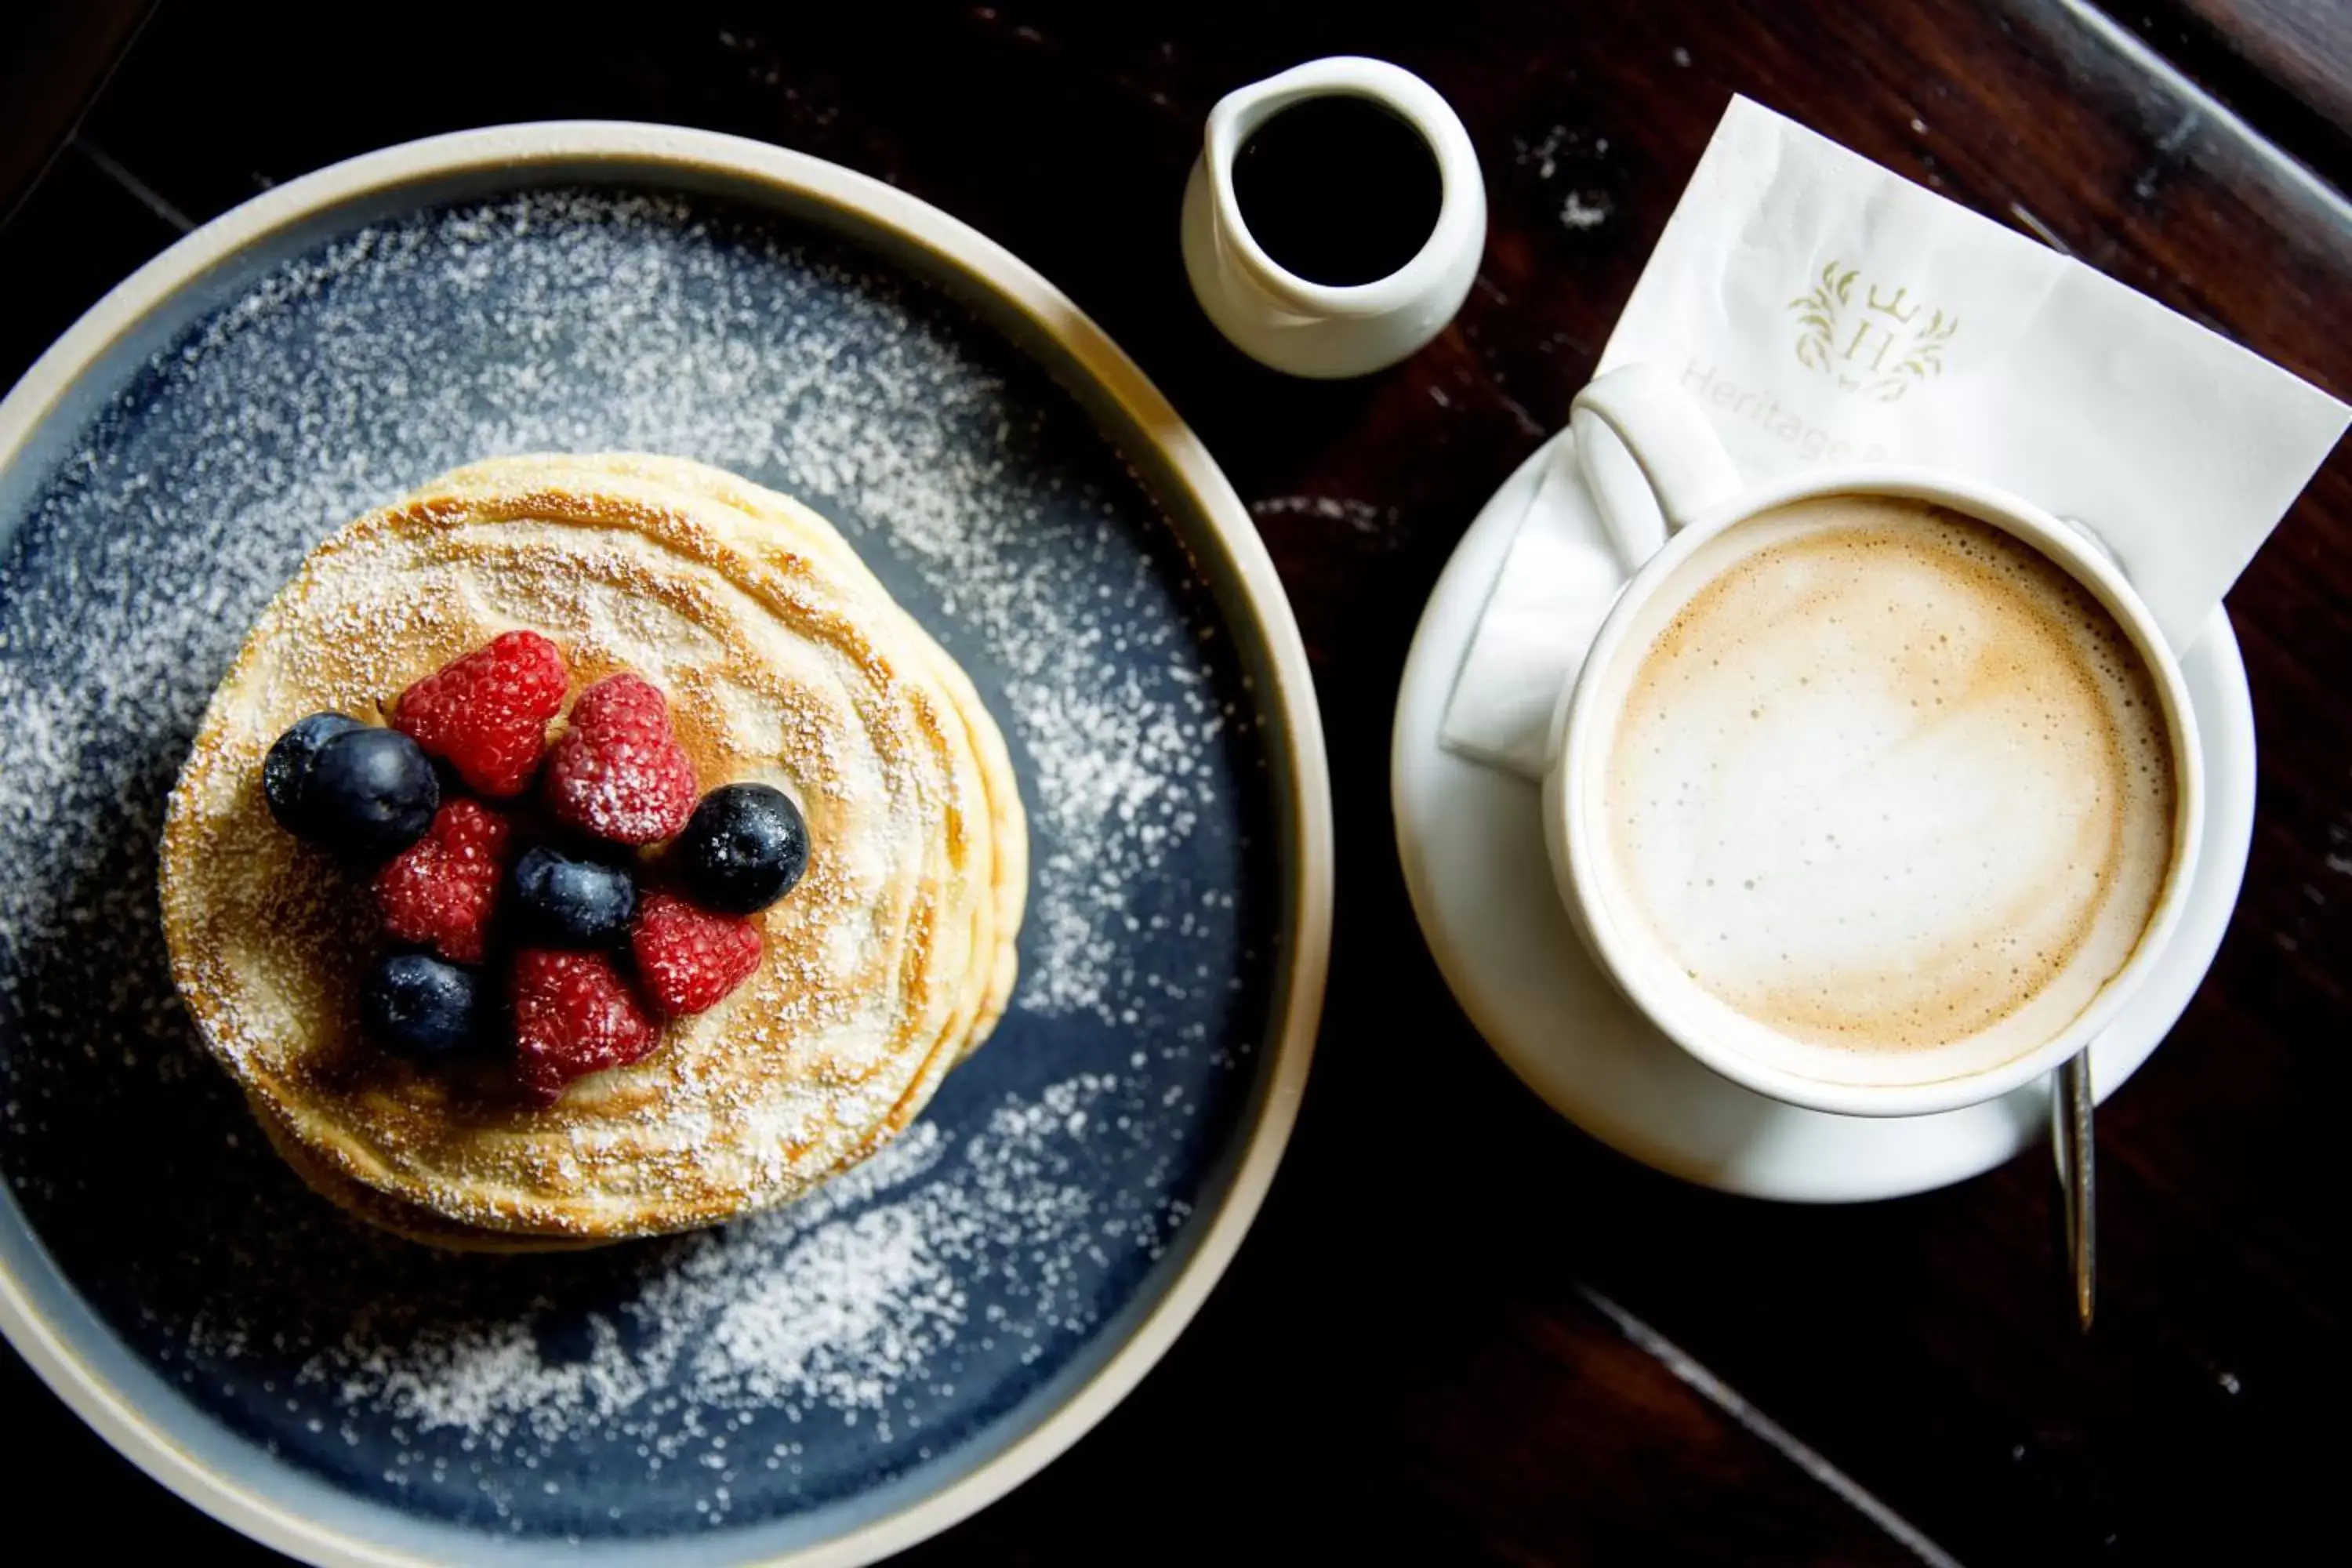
[[1462, 1332], [2286, 64]]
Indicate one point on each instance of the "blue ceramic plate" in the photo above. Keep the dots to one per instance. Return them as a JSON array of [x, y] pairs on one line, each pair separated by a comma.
[[822, 1384]]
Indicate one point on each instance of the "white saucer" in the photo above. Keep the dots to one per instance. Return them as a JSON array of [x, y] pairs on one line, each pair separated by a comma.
[[1471, 842]]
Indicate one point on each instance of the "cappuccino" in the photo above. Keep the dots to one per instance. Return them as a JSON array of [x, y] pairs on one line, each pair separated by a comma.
[[1882, 779]]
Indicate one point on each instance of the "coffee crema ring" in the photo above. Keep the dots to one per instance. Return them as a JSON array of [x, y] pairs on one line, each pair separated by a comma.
[[1885, 779]]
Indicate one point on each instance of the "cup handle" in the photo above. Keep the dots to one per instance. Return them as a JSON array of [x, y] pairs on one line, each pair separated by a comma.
[[1665, 467]]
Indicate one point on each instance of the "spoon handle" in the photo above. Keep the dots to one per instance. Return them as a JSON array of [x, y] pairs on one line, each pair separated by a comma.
[[2071, 1141]]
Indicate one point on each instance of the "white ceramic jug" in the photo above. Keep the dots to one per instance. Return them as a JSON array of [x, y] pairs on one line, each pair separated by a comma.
[[1323, 330]]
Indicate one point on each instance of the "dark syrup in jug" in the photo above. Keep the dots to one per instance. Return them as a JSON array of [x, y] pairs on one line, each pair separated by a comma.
[[1337, 190]]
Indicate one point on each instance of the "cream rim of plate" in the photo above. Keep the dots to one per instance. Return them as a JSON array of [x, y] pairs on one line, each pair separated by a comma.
[[1471, 842], [1227, 547]]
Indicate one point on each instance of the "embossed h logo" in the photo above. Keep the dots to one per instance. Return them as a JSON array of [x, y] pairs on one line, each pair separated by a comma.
[[1878, 346]]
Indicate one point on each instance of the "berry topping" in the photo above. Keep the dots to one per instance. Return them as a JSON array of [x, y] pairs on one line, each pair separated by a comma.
[[418, 1005], [368, 793], [573, 1015], [567, 902], [286, 772], [744, 847], [485, 714], [618, 771], [438, 892], [689, 958]]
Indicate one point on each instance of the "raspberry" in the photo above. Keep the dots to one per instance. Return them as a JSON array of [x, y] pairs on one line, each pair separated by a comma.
[[618, 771], [440, 889], [485, 714], [689, 958], [573, 1015]]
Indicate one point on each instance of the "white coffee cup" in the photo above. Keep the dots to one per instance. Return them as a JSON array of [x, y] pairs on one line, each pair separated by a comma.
[[1667, 487], [1321, 330]]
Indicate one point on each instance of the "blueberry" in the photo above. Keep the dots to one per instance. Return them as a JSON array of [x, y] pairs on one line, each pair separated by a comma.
[[371, 793], [568, 902], [420, 1006], [286, 772], [743, 848]]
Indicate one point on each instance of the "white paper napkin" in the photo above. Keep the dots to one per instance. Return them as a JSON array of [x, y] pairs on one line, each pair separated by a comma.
[[1825, 311]]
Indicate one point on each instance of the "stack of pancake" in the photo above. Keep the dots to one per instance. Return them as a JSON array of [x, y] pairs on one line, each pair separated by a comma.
[[786, 663]]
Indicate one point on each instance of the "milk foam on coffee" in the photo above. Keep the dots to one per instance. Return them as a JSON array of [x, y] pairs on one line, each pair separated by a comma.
[[1886, 781]]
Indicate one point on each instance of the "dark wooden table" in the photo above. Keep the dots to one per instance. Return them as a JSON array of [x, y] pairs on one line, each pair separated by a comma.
[[1507, 1345]]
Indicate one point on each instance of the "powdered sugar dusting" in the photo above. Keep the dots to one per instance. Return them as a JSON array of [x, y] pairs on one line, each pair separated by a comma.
[[834, 1304], [736, 1376]]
